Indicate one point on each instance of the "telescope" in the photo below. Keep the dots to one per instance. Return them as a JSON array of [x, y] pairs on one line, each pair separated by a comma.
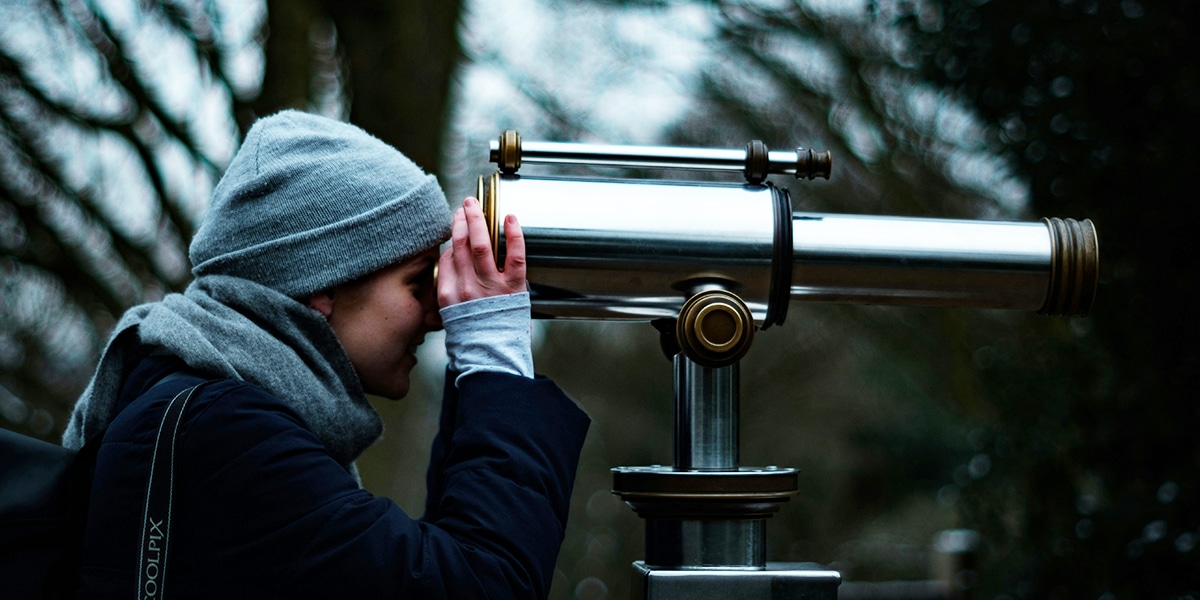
[[709, 264]]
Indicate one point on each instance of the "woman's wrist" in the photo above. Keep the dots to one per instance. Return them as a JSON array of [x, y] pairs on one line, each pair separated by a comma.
[[489, 335]]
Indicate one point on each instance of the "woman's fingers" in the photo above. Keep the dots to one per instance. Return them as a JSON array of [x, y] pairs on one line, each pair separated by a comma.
[[480, 241], [447, 279], [460, 243], [514, 262], [467, 269]]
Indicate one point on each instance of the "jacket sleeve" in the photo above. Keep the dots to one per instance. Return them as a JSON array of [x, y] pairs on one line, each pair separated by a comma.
[[506, 455], [436, 473], [500, 484]]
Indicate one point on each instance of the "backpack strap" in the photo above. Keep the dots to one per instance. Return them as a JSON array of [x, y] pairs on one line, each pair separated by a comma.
[[156, 518]]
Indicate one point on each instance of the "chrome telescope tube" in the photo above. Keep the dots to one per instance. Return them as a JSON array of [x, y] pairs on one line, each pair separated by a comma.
[[637, 250]]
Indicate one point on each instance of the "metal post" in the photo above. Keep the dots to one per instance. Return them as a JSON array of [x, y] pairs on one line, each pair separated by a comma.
[[706, 515], [706, 416], [706, 440]]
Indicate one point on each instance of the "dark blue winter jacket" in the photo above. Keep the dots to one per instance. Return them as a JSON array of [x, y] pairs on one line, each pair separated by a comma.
[[262, 510]]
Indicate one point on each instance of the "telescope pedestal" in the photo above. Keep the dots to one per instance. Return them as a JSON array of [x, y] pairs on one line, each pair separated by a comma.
[[706, 515]]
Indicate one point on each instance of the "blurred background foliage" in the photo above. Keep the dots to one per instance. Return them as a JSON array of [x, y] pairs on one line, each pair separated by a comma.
[[1069, 444]]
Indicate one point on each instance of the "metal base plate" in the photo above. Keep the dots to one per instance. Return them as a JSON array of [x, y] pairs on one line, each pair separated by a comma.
[[722, 584]]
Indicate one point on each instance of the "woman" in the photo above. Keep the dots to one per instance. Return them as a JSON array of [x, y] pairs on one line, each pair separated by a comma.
[[314, 284]]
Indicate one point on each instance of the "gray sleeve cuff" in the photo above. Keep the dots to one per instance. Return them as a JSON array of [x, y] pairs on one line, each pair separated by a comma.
[[489, 334]]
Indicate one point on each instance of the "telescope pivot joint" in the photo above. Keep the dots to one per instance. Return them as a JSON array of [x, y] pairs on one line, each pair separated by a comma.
[[715, 328]]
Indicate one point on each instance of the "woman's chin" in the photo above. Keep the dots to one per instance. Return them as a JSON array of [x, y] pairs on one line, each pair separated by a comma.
[[394, 390]]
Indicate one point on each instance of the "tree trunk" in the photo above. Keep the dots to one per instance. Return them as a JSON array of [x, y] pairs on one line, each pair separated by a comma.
[[399, 59]]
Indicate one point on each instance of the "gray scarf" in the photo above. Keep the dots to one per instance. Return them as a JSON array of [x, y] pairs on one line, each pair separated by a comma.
[[228, 327]]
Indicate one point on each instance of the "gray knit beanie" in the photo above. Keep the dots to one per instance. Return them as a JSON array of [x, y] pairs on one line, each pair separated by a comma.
[[310, 202]]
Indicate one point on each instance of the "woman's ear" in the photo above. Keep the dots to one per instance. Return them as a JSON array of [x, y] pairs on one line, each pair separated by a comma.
[[322, 302]]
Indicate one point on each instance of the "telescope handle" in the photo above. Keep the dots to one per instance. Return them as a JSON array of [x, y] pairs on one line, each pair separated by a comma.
[[755, 161]]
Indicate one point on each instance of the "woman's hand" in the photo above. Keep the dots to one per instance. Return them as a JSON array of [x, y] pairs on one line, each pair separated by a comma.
[[467, 270]]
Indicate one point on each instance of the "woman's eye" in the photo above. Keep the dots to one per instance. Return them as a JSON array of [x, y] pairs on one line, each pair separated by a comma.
[[427, 277]]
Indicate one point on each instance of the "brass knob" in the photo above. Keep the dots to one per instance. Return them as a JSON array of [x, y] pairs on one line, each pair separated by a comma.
[[813, 164], [719, 326], [715, 328], [510, 152]]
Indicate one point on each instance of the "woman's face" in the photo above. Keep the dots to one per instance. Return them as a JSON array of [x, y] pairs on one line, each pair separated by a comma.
[[382, 318]]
